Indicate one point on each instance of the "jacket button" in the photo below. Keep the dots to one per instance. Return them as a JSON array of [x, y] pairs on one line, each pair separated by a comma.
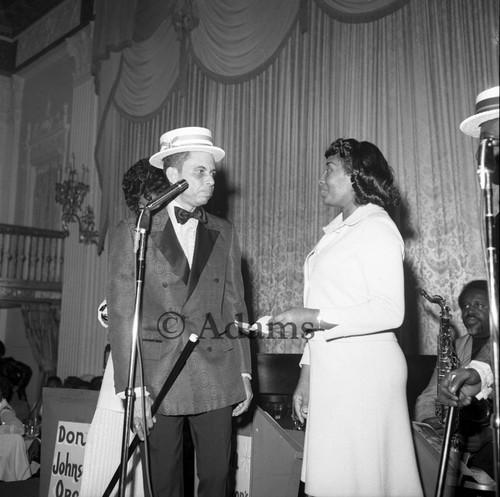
[[209, 349], [216, 280], [164, 285]]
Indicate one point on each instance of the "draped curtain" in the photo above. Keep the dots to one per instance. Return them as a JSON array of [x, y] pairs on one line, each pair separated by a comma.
[[41, 321], [276, 82]]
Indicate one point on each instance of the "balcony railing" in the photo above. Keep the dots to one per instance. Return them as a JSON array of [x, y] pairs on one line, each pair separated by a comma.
[[31, 264]]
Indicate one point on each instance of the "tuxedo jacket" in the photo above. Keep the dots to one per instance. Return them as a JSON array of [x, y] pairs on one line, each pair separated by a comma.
[[177, 302]]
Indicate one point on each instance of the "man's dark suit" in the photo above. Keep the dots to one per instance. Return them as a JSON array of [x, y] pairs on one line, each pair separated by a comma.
[[177, 302]]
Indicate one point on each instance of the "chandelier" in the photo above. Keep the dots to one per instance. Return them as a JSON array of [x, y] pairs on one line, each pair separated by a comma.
[[70, 194]]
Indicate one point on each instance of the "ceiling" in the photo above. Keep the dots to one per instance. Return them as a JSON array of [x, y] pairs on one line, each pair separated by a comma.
[[17, 15]]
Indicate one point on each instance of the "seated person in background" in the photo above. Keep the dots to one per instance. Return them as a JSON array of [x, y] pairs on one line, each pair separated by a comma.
[[54, 382], [8, 418], [476, 435], [76, 382], [96, 383], [17, 372]]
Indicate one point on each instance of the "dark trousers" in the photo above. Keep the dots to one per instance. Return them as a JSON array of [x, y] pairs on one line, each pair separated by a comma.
[[211, 433]]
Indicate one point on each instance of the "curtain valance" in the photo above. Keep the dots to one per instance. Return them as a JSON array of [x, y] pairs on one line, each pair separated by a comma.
[[233, 41]]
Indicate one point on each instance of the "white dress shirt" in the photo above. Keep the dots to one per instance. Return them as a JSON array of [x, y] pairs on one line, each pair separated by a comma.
[[186, 233]]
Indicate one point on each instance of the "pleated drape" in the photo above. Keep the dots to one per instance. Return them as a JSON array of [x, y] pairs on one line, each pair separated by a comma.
[[41, 321]]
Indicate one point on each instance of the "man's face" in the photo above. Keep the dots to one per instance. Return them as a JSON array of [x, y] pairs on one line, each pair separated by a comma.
[[199, 171], [475, 313]]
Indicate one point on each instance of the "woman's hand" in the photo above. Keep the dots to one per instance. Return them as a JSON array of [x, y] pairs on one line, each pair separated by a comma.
[[295, 322], [301, 396]]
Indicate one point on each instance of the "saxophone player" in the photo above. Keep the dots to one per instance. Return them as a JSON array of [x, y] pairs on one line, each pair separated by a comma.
[[476, 437]]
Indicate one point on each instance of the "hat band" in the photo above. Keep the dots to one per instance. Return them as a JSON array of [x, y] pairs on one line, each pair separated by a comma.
[[487, 104], [179, 141]]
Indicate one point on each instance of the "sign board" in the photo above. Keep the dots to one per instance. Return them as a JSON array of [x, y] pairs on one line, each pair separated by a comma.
[[67, 463], [67, 414]]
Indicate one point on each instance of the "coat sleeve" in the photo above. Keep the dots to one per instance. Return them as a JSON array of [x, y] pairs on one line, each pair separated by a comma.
[[379, 253], [234, 302], [120, 295]]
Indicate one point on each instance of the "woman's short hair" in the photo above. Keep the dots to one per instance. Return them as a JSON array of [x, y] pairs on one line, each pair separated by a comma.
[[142, 180], [371, 176]]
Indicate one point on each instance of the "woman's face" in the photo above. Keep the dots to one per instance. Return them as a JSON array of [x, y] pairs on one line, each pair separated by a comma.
[[335, 186]]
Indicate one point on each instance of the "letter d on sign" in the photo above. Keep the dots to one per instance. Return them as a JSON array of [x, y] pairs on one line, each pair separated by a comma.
[[61, 434]]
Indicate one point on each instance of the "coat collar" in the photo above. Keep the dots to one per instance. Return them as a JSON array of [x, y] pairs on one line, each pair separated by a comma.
[[165, 239], [360, 213]]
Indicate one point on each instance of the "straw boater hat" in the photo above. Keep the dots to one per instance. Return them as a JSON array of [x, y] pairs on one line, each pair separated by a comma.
[[486, 110], [190, 139]]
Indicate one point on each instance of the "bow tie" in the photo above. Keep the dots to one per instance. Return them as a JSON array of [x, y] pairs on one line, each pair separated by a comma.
[[183, 215]]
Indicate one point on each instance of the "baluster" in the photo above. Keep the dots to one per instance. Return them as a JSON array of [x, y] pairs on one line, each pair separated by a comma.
[[34, 258], [43, 260], [60, 259], [9, 274], [21, 239], [2, 252], [15, 250], [27, 265], [26, 256]]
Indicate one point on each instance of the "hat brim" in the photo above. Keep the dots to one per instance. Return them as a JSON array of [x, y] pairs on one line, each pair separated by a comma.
[[472, 125], [156, 160]]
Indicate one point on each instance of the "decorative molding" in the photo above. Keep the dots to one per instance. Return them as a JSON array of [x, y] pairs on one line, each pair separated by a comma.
[[48, 30], [47, 141], [79, 48], [15, 293]]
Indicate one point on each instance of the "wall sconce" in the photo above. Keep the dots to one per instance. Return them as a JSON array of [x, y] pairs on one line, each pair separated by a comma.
[[70, 194]]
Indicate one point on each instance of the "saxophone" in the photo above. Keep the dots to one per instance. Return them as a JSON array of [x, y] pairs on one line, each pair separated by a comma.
[[447, 359]]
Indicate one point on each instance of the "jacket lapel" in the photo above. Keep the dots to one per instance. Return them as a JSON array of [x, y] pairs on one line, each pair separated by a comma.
[[168, 244], [205, 241]]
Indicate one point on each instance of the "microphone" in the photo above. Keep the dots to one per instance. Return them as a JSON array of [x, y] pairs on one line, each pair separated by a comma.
[[170, 193]]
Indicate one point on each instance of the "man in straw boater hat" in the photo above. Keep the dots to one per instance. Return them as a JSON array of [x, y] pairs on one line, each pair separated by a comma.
[[480, 378], [192, 284]]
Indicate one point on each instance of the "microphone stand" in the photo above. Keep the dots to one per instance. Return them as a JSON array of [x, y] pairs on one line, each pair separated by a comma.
[[179, 364], [445, 451], [484, 173], [143, 225]]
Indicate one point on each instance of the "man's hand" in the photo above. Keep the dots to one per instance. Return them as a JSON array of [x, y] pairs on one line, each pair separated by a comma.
[[245, 404], [466, 382], [137, 421]]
